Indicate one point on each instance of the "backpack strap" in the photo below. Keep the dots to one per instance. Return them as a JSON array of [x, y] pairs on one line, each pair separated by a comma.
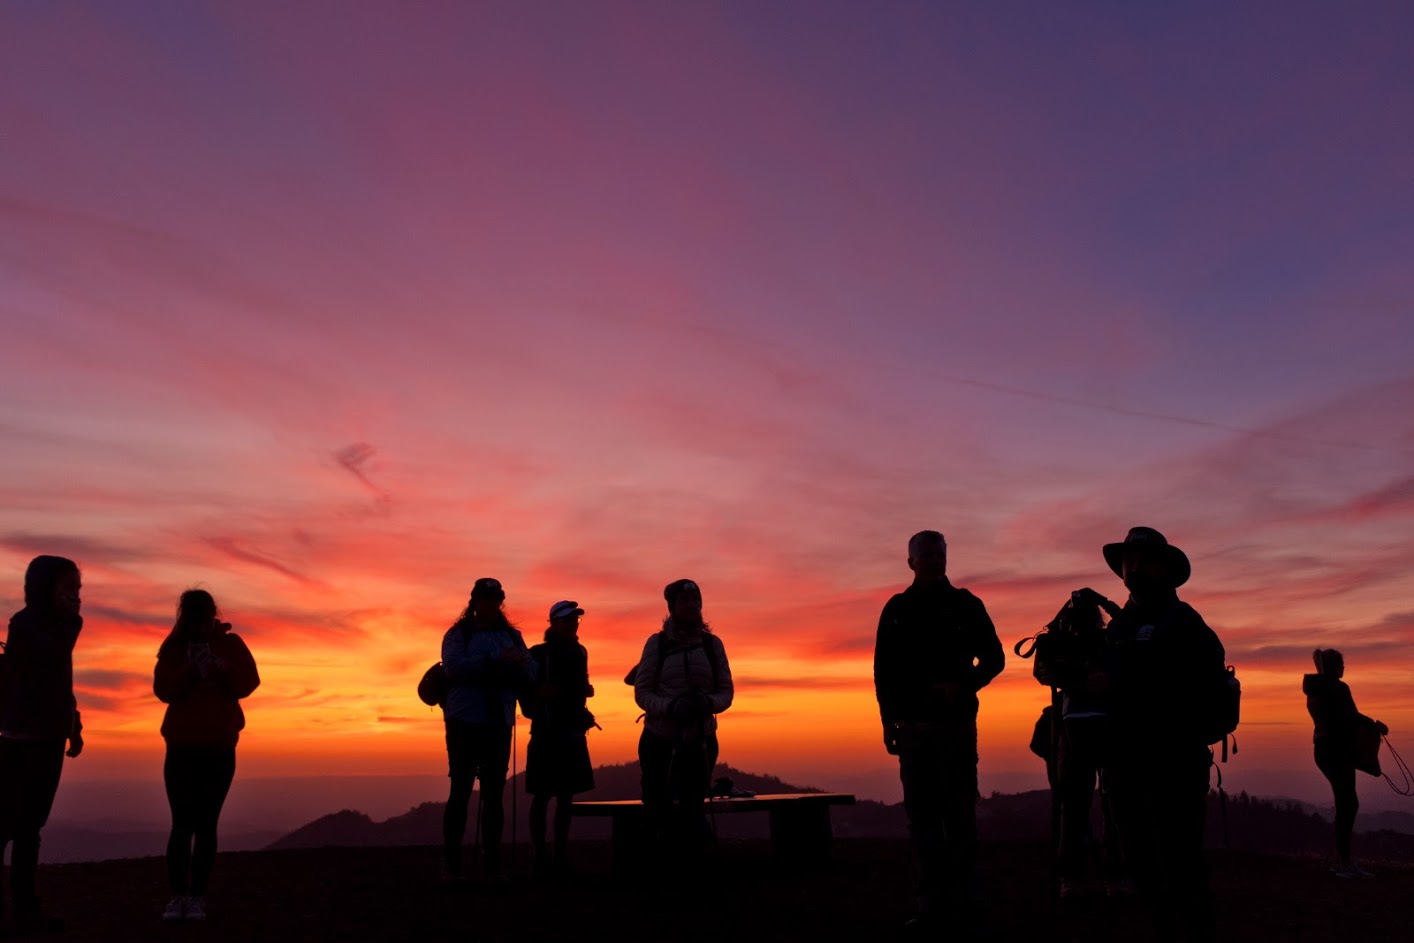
[[712, 651]]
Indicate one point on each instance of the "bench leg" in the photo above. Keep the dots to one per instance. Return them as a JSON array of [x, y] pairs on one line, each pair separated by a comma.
[[801, 833], [629, 839]]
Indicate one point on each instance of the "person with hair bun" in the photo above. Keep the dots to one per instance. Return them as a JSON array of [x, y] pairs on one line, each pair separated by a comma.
[[1338, 726]]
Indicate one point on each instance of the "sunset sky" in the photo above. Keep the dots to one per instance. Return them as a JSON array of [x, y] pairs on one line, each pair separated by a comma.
[[332, 308]]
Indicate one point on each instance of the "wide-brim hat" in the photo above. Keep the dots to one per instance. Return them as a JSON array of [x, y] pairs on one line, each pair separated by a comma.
[[1150, 541]]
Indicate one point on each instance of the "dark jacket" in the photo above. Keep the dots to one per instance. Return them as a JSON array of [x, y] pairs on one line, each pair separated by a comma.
[[1332, 707], [204, 710], [38, 685], [1162, 664], [931, 635], [563, 667]]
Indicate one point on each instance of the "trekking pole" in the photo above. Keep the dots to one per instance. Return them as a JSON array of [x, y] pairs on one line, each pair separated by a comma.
[[513, 813], [476, 835]]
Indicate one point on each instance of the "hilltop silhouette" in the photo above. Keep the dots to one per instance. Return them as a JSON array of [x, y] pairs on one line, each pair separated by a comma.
[[1253, 824]]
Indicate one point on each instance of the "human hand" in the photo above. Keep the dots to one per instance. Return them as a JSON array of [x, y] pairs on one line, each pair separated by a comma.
[[75, 745], [589, 690], [1380, 728]]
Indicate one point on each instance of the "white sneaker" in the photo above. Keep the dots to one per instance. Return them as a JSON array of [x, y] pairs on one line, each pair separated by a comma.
[[1346, 871], [176, 908], [1360, 872], [196, 908]]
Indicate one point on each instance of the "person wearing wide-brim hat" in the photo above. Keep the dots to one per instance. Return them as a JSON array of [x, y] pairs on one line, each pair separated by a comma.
[[1160, 660]]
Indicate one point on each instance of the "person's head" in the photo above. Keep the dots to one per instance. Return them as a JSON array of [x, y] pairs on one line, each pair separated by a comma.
[[197, 619], [52, 586], [928, 556], [196, 612], [684, 598], [1329, 662], [487, 597], [564, 619], [485, 608], [1149, 565]]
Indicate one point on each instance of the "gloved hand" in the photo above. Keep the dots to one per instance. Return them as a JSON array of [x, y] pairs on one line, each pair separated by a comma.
[[1380, 728], [689, 706]]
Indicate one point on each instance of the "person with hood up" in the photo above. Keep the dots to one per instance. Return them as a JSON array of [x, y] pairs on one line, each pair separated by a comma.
[[38, 716]]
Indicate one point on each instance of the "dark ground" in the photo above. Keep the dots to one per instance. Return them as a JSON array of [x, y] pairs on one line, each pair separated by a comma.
[[863, 894]]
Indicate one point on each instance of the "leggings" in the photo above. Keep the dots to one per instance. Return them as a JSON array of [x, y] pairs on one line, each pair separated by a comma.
[[1336, 761], [197, 780]]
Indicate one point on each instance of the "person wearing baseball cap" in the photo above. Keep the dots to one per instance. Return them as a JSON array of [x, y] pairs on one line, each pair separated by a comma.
[[1160, 661], [557, 761], [682, 682], [486, 664]]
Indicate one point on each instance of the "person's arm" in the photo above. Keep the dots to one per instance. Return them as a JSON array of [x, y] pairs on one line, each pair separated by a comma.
[[645, 685], [721, 698], [237, 668], [174, 676], [887, 658], [986, 647]]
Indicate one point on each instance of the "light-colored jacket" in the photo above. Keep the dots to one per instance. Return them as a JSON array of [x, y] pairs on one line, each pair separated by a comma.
[[482, 688], [686, 663]]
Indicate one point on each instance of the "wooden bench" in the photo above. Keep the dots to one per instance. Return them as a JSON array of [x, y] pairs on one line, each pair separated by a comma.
[[800, 822]]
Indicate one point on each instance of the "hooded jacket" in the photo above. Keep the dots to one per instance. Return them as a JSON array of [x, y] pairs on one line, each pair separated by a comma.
[[482, 687], [204, 710], [38, 702]]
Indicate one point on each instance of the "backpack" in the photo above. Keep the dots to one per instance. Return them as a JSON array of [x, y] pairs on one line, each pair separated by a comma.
[[1221, 710], [714, 652], [434, 686]]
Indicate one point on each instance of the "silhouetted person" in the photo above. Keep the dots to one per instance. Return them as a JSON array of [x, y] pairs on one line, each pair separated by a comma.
[[557, 759], [37, 716], [1161, 663], [936, 648], [487, 663], [203, 671], [1338, 723], [682, 681], [1067, 654]]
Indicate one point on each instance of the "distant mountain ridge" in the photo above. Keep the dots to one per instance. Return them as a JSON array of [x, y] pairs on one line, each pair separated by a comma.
[[1239, 821]]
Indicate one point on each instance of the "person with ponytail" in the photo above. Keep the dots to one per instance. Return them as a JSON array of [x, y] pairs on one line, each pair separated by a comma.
[[203, 671], [1338, 723], [38, 716]]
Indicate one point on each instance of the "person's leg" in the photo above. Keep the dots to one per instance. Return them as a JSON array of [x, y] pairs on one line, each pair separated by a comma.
[[539, 808], [1338, 767], [216, 770], [958, 755], [493, 759], [40, 763], [655, 760], [563, 807], [1076, 782], [177, 778], [462, 774], [920, 772]]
